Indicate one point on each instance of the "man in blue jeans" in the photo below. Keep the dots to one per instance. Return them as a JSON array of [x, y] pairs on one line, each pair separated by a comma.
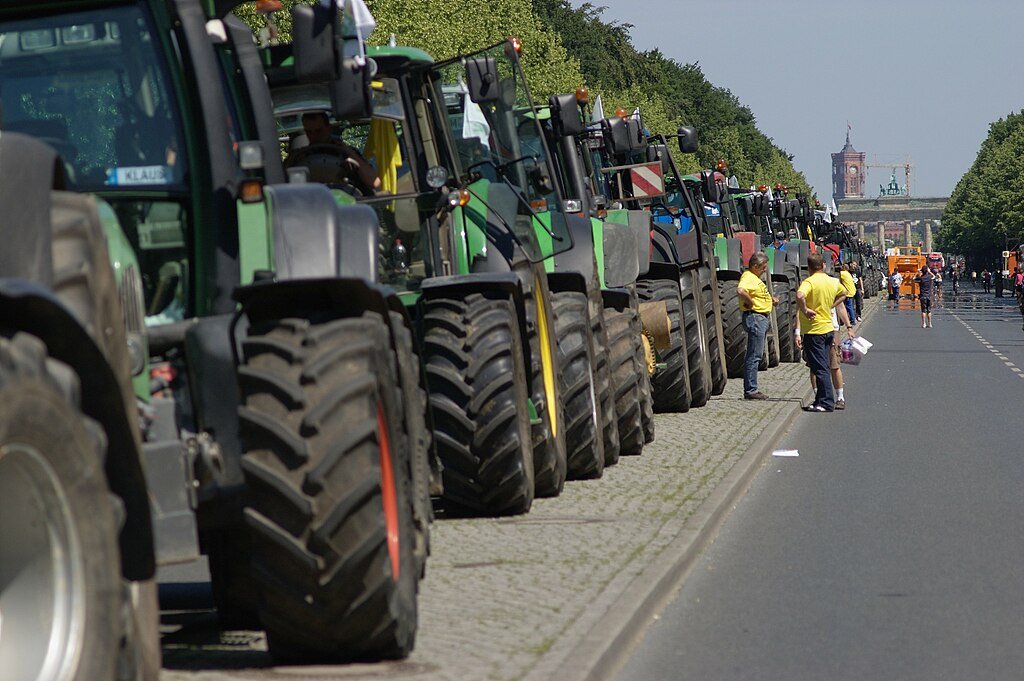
[[756, 303], [816, 297]]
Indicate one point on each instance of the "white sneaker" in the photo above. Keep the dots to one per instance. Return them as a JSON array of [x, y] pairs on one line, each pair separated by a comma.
[[929, 326], [923, 325]]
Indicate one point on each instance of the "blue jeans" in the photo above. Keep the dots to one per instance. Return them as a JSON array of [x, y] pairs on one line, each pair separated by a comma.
[[849, 310], [816, 349], [756, 326]]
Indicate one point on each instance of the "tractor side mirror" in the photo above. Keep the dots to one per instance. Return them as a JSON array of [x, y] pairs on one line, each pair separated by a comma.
[[616, 137], [659, 152], [483, 80], [637, 139], [565, 115], [313, 43], [687, 140], [709, 188]]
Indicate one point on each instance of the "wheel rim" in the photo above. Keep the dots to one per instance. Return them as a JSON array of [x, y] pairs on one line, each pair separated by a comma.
[[389, 494], [41, 571]]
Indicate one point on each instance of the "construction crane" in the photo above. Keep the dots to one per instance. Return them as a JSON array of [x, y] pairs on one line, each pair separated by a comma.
[[893, 166]]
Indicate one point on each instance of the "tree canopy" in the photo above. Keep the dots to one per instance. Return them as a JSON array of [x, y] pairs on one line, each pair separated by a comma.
[[985, 212], [566, 47]]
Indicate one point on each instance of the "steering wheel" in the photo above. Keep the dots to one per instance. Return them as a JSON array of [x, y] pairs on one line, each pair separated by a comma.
[[326, 163]]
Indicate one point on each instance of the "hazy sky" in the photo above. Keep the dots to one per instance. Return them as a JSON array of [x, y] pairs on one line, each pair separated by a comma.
[[917, 78]]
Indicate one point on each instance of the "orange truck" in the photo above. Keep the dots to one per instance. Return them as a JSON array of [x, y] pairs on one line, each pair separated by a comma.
[[908, 261]]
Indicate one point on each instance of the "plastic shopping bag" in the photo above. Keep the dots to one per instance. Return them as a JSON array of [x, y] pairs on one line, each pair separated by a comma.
[[852, 350]]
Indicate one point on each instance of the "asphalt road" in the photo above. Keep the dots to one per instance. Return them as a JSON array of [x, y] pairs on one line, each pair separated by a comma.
[[891, 548]]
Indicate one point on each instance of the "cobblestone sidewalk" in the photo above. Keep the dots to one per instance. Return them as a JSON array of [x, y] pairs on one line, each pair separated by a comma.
[[512, 598]]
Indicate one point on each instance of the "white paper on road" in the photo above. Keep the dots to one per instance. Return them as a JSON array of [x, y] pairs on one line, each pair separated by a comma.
[[786, 452]]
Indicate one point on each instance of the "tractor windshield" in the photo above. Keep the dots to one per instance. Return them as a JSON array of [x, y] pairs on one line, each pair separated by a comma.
[[90, 84], [498, 138]]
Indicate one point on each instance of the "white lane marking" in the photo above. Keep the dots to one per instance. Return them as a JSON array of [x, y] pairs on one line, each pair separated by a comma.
[[994, 350]]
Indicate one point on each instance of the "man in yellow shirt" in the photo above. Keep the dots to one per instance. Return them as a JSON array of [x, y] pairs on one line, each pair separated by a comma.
[[756, 303], [816, 297], [850, 288]]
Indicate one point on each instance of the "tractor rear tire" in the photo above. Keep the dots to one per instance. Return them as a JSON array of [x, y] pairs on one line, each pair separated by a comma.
[[735, 336], [642, 346], [771, 347], [585, 455], [626, 379], [84, 282], [550, 460], [785, 324], [715, 345], [602, 374], [69, 611], [329, 513], [670, 385], [696, 341], [415, 408], [476, 385]]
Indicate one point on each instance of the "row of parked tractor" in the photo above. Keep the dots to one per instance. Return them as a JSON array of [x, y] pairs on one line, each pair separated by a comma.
[[203, 352]]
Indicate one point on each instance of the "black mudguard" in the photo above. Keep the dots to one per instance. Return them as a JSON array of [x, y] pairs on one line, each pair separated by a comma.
[[315, 238], [28, 307]]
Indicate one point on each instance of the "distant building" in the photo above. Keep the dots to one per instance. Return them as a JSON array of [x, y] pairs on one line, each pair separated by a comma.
[[848, 174]]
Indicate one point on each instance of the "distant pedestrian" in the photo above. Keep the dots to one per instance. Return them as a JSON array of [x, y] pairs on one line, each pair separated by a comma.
[[816, 297], [938, 284], [756, 303], [974, 278], [925, 284], [986, 280], [858, 279], [895, 281], [849, 287]]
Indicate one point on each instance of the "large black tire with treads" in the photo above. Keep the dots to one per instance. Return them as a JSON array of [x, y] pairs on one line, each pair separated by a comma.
[[734, 335], [670, 384], [792, 273], [84, 282], [784, 321], [550, 460], [583, 431], [329, 511], [61, 525], [415, 407], [716, 349], [696, 340], [476, 387], [603, 386], [642, 345], [625, 377]]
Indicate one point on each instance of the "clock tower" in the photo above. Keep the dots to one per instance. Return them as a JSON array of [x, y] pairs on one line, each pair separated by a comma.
[[848, 172]]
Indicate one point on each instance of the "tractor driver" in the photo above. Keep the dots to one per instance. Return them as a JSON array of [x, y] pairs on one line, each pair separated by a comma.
[[350, 166]]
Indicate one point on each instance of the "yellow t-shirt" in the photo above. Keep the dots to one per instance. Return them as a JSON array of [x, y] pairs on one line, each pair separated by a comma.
[[847, 281], [820, 292], [757, 290]]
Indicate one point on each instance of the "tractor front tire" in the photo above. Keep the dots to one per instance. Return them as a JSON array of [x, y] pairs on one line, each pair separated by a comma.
[[476, 385], [735, 336], [625, 377], [670, 384], [329, 511], [585, 455]]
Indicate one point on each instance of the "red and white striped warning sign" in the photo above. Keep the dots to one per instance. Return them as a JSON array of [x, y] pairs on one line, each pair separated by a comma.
[[647, 180]]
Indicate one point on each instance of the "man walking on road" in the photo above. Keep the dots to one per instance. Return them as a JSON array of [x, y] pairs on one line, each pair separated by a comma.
[[925, 283], [816, 297], [756, 303], [986, 280]]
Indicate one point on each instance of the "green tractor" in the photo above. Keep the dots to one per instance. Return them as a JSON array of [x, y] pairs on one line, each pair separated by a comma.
[[466, 229], [282, 421], [610, 251], [637, 172]]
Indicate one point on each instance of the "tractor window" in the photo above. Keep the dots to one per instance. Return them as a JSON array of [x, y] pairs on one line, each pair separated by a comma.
[[92, 85]]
